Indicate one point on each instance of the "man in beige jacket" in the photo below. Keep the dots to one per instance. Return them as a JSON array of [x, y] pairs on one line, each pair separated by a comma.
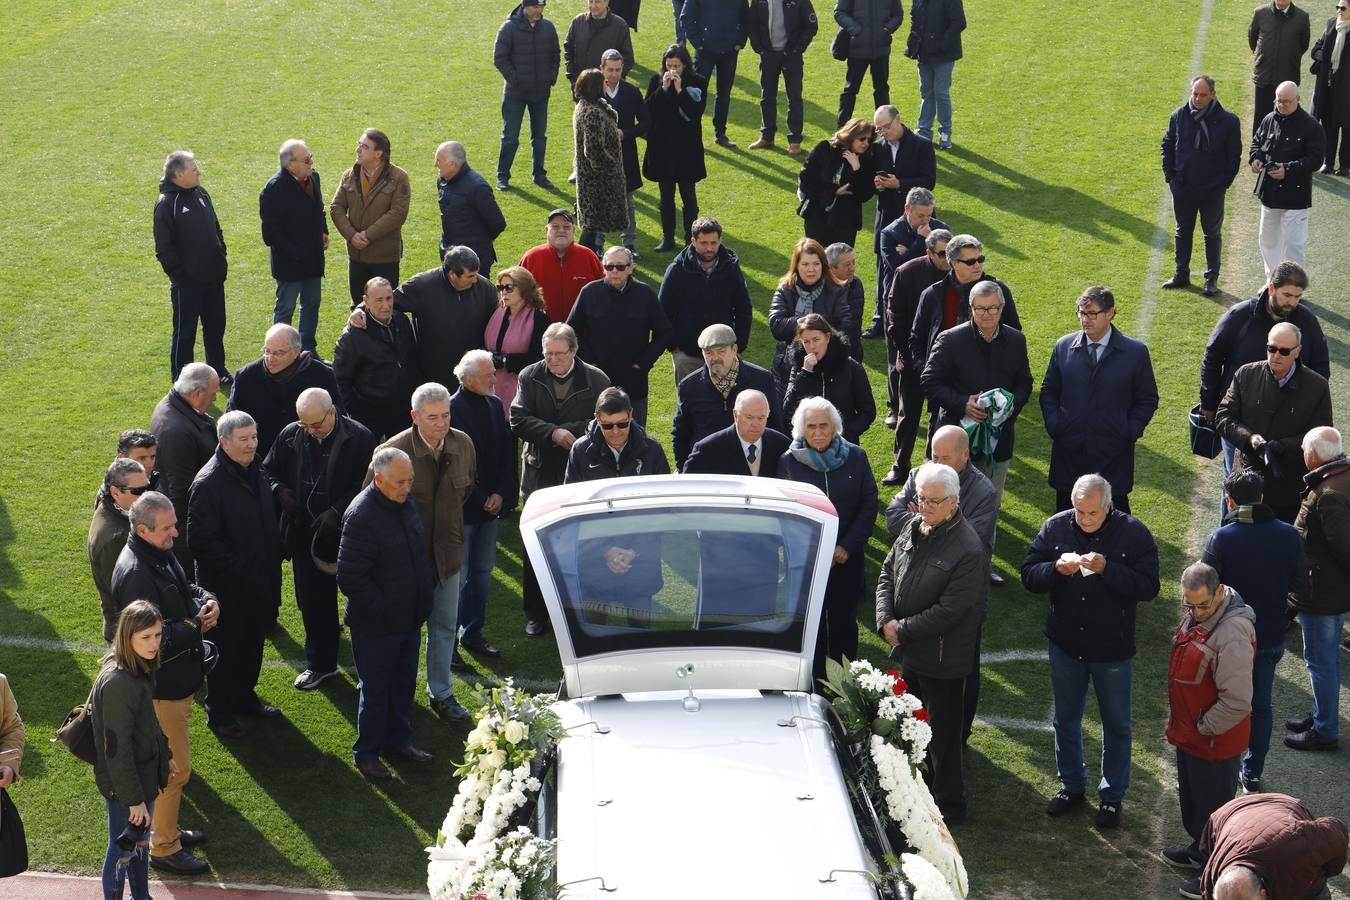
[[369, 209]]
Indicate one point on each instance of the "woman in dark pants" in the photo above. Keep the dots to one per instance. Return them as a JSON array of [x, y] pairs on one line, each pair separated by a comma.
[[1331, 90], [835, 182], [819, 366], [676, 98]]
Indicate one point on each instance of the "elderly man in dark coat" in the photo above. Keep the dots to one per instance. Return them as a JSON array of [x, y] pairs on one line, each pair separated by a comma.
[[451, 306], [1097, 398], [1287, 148], [930, 598], [1331, 90], [745, 447], [470, 215], [526, 53], [903, 161], [946, 303], [268, 387], [236, 543], [705, 398], [1278, 35], [1268, 409], [295, 230], [375, 362], [186, 437], [315, 468]]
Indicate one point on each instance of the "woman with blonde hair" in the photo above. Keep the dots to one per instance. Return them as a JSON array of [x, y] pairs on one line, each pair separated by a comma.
[[515, 330]]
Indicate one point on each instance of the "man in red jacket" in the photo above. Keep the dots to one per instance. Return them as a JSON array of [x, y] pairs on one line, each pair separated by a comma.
[[561, 266], [1209, 690]]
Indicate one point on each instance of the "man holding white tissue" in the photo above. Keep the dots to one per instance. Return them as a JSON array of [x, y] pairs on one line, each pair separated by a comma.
[[1096, 563]]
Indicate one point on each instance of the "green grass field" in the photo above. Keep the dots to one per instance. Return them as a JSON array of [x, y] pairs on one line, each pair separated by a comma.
[[1058, 118]]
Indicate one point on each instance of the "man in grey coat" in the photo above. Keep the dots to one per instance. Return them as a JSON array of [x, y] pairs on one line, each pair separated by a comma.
[[1278, 35]]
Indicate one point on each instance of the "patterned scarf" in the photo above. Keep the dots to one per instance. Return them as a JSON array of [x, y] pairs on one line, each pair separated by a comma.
[[724, 385], [1199, 116]]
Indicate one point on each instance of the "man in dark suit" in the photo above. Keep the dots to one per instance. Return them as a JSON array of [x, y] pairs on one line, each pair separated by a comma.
[[268, 387], [1097, 398], [295, 230], [627, 102], [185, 437], [903, 161], [747, 447]]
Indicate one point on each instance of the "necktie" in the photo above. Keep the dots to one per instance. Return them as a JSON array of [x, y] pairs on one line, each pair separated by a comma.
[[1095, 348], [750, 454]]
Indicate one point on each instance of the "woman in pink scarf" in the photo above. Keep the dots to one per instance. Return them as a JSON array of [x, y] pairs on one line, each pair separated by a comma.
[[515, 332]]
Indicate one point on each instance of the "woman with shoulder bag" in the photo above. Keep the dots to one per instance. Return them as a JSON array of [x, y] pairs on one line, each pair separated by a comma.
[[834, 183], [133, 762]]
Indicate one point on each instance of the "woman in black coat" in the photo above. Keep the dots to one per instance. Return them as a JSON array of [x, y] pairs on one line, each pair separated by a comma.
[[806, 288], [676, 99], [1331, 90], [835, 182], [821, 367]]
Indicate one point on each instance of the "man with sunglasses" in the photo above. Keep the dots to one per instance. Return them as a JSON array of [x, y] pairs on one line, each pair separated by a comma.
[[621, 328], [1267, 410], [615, 445], [946, 303], [123, 483]]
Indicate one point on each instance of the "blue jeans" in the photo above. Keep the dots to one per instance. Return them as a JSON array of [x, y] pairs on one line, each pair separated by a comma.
[[678, 6], [935, 97], [513, 113], [1322, 656], [308, 292], [119, 866], [1111, 682], [480, 554], [1263, 680], [442, 628], [386, 665]]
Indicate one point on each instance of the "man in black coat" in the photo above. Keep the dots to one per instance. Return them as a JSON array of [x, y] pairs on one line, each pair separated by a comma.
[[899, 242], [634, 119], [934, 43], [1287, 148], [746, 447], [590, 34], [717, 29], [1097, 398], [621, 328], [375, 363], [903, 161], [295, 230], [704, 286], [470, 215], [780, 36], [706, 398], [385, 571], [148, 570], [268, 387], [236, 544], [1201, 154], [869, 25], [1278, 35], [315, 469], [615, 445], [946, 303], [190, 248], [451, 307], [185, 437], [527, 54]]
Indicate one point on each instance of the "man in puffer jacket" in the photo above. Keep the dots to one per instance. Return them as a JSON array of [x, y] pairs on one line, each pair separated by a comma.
[[1209, 690], [615, 445], [527, 54]]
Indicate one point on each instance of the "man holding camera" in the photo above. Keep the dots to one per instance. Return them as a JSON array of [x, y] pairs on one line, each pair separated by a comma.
[[1286, 150]]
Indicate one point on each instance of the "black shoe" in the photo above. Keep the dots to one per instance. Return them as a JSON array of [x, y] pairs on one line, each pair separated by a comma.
[[997, 580], [1108, 815], [1062, 803], [482, 648], [180, 863], [450, 710], [1298, 726], [1251, 784], [535, 628], [633, 250], [875, 331], [1176, 282], [503, 184], [412, 754], [543, 182], [893, 477], [189, 838], [667, 245], [263, 711], [723, 141], [457, 664], [1325, 170], [1310, 740], [227, 729], [226, 381], [374, 770], [308, 680], [1191, 890], [1343, 171], [1182, 858], [1211, 287]]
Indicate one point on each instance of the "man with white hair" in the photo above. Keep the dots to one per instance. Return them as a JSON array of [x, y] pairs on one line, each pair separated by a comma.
[[268, 387], [748, 446], [315, 469], [1324, 523], [236, 543], [185, 437], [1267, 846], [470, 215], [386, 572], [1097, 564], [295, 230], [1268, 409], [930, 599]]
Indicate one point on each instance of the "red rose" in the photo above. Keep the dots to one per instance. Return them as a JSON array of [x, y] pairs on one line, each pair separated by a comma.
[[900, 686], [921, 714]]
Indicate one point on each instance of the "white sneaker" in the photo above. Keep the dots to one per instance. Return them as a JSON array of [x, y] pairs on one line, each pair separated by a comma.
[[308, 680]]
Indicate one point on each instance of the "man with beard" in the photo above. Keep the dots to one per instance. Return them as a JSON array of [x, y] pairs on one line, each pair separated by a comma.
[[268, 387], [704, 286], [705, 400]]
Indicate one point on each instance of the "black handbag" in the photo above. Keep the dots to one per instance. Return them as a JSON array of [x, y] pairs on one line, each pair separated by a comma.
[[1205, 440], [77, 731], [13, 844], [839, 47]]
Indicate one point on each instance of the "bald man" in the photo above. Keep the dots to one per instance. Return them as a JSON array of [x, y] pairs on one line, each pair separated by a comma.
[[1287, 148], [746, 447], [268, 387]]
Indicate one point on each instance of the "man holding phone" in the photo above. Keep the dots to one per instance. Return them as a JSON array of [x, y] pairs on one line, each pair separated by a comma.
[[1286, 150]]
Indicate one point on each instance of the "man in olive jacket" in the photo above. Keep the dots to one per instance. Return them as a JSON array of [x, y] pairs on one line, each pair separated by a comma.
[[931, 597], [369, 209], [1278, 35], [124, 481]]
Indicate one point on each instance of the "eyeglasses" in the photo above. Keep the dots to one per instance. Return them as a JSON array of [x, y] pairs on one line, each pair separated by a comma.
[[505, 288], [319, 424], [930, 502], [134, 490], [882, 127], [610, 426], [273, 354], [1090, 314], [1280, 101], [1208, 603], [970, 262], [1283, 351], [307, 160], [615, 267], [987, 310]]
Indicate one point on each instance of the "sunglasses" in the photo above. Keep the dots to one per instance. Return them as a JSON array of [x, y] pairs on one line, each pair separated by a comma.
[[610, 426], [615, 267], [135, 490], [1283, 351], [505, 288], [970, 262]]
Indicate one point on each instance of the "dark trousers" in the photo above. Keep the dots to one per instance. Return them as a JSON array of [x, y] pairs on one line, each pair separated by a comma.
[[384, 421], [238, 636], [838, 634], [772, 64], [1265, 104], [853, 76], [820, 229], [386, 665], [1063, 501], [358, 273], [1210, 207], [944, 700], [688, 200], [972, 691], [883, 280], [194, 300], [1203, 785], [908, 415], [1335, 130], [724, 64], [316, 595], [531, 596]]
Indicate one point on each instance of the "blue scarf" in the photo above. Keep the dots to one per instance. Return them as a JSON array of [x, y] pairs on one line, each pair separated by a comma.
[[832, 458]]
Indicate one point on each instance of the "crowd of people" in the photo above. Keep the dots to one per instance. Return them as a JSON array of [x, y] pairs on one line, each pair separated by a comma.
[[383, 473]]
